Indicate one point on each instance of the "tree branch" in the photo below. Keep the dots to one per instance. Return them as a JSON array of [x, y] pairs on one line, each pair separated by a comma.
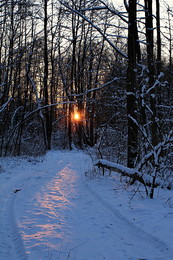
[[96, 27], [134, 174]]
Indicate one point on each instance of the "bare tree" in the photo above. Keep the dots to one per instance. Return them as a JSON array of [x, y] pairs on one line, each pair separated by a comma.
[[132, 87]]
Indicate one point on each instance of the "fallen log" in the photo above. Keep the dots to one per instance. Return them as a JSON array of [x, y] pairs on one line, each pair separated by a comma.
[[145, 179]]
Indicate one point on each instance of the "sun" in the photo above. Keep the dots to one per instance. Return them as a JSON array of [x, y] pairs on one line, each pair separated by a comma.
[[76, 116]]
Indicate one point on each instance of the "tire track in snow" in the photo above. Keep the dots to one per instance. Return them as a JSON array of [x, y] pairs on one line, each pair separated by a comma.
[[138, 232], [12, 246], [11, 241], [16, 237]]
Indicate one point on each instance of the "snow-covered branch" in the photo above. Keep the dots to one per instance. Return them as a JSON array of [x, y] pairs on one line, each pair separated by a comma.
[[129, 172], [29, 114], [95, 27], [97, 88], [157, 82], [115, 12], [36, 93], [134, 174]]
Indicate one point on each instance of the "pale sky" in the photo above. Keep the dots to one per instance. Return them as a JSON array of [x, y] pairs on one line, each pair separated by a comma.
[[163, 5], [169, 2]]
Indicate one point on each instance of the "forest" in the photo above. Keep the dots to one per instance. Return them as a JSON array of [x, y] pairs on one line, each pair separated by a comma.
[[90, 73]]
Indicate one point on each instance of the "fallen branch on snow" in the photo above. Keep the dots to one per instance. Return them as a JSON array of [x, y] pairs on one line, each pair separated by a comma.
[[145, 179]]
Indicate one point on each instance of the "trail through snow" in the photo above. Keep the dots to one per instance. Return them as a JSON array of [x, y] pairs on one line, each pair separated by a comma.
[[50, 211]]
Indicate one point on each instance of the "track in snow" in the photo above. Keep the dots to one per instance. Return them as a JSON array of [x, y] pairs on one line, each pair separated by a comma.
[[11, 243], [60, 217]]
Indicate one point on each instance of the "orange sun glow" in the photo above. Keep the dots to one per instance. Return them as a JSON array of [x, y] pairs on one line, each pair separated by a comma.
[[76, 116]]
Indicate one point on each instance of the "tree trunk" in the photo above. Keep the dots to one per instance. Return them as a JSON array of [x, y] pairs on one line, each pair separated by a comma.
[[131, 87], [46, 93], [151, 68], [158, 37]]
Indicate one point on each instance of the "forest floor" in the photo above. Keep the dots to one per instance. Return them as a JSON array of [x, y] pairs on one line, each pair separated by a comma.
[[56, 207]]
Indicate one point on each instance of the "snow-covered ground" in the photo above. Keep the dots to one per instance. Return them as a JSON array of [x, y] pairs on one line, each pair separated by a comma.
[[53, 208]]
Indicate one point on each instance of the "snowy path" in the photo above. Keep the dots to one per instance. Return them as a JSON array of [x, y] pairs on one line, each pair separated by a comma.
[[49, 211]]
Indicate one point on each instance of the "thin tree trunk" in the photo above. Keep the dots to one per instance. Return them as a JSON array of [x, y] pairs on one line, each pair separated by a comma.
[[46, 69], [131, 86], [158, 37], [151, 68]]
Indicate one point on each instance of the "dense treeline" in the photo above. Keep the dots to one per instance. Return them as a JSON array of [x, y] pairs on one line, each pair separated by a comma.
[[112, 65]]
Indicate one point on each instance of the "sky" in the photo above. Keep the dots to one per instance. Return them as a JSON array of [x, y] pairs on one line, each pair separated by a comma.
[[169, 2]]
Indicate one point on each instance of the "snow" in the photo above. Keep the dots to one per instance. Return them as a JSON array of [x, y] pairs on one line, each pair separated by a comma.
[[119, 167], [56, 207]]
